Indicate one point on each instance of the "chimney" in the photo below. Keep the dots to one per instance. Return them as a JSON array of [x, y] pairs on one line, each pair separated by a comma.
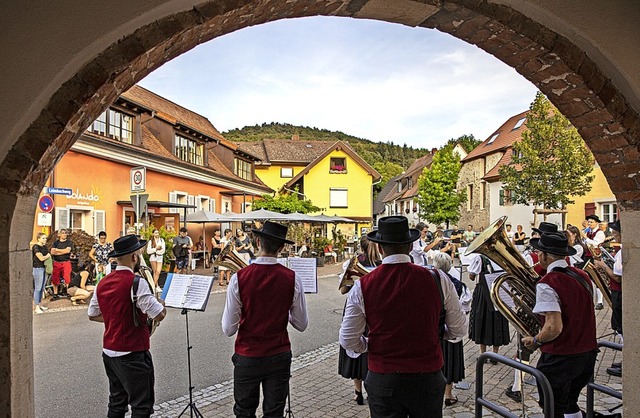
[[295, 137]]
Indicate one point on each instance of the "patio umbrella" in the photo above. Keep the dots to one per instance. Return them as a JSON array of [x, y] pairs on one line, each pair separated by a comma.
[[203, 217]]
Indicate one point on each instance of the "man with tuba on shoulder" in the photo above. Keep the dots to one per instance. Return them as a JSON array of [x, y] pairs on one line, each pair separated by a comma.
[[615, 284], [261, 300], [594, 237], [567, 339], [126, 355]]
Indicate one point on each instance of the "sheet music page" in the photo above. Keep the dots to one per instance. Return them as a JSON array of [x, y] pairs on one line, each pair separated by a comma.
[[188, 291], [308, 272], [284, 261]]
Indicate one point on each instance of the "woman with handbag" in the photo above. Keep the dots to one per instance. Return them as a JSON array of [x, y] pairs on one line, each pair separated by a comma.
[[40, 256]]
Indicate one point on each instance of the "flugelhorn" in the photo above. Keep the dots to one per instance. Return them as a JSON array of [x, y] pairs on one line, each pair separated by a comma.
[[354, 270], [514, 292], [229, 258], [147, 274]]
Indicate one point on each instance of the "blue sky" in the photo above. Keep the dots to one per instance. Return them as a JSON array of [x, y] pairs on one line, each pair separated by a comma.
[[374, 80]]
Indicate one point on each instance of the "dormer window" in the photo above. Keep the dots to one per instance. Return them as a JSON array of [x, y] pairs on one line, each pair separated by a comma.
[[242, 169], [399, 186], [115, 125], [189, 150], [338, 165], [493, 138], [519, 124]]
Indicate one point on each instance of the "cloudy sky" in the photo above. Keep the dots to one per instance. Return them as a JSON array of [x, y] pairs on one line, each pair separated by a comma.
[[374, 80]]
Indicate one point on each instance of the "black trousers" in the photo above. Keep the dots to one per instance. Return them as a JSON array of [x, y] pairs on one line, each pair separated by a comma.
[[272, 373], [616, 314], [401, 395], [568, 375], [131, 381]]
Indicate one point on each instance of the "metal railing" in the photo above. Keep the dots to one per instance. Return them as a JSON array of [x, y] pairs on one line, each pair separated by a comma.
[[482, 402], [592, 386]]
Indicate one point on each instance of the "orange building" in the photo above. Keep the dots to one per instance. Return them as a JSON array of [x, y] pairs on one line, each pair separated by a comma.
[[188, 164]]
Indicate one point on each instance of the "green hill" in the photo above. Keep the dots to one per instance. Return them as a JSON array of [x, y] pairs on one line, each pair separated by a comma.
[[372, 152]]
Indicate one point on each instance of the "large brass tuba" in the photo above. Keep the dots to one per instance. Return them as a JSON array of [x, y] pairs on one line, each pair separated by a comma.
[[514, 292], [354, 270], [229, 258], [599, 276], [147, 274]]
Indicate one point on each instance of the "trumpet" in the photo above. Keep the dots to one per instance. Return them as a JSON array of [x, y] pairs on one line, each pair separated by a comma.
[[354, 271], [229, 258]]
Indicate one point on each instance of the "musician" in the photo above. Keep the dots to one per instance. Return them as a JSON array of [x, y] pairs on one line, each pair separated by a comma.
[[405, 360], [126, 356], [261, 299], [487, 326], [567, 339], [425, 243], [354, 365], [615, 284], [594, 237]]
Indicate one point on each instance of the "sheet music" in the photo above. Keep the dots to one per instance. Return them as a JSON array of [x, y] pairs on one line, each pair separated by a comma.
[[307, 270], [490, 278], [187, 291]]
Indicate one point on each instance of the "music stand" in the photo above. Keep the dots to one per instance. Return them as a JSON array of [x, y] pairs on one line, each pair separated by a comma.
[[288, 413], [188, 292], [191, 406]]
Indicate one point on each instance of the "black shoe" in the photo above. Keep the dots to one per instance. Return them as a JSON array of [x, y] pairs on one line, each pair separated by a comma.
[[55, 297], [599, 306], [359, 398], [614, 371], [616, 365], [515, 395]]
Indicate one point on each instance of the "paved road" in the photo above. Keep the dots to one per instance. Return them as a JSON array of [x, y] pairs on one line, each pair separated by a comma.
[[70, 378]]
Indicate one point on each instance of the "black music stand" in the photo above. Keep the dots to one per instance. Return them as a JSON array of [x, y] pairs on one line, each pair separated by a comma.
[[193, 409], [288, 413]]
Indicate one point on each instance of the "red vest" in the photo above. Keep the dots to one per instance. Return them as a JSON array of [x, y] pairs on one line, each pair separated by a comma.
[[266, 293], [114, 299], [402, 306], [578, 319]]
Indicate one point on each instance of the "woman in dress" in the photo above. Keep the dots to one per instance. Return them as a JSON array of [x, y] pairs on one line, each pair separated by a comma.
[[452, 350], [39, 253], [99, 255], [156, 248], [349, 367], [243, 245]]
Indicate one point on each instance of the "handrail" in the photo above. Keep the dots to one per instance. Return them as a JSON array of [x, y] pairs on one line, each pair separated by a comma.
[[482, 402], [592, 386]]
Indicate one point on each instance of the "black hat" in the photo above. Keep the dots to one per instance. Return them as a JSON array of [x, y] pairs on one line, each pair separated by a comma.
[[126, 245], [594, 217], [545, 228], [615, 225], [553, 243], [393, 230], [274, 231]]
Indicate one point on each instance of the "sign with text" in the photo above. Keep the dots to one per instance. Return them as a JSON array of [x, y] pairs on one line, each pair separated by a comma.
[[138, 179], [44, 219], [58, 190]]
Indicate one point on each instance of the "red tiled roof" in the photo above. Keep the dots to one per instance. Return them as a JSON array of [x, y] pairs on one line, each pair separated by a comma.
[[174, 113], [507, 135], [286, 150]]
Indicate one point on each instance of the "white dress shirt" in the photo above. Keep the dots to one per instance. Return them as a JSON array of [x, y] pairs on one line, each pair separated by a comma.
[[354, 320], [597, 239], [417, 252], [547, 299], [233, 307]]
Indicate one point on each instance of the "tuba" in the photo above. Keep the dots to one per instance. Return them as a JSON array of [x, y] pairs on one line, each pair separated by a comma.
[[147, 274], [514, 292], [599, 276], [230, 259], [354, 271]]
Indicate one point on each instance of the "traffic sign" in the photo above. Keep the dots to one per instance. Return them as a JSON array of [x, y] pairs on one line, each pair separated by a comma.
[[58, 190], [139, 201], [45, 203], [138, 179], [44, 219]]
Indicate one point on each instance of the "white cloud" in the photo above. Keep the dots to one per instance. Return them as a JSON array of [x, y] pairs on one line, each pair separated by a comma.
[[369, 79]]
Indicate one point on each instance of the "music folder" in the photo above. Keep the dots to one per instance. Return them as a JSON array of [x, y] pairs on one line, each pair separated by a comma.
[[187, 291]]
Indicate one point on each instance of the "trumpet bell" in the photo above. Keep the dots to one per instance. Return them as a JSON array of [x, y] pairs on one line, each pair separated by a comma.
[[229, 258]]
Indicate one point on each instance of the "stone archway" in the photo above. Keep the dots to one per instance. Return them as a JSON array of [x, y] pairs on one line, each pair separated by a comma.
[[579, 77]]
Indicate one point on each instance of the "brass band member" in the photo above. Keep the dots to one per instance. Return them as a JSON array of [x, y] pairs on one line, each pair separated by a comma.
[[405, 361], [261, 300], [594, 237], [126, 356], [615, 284], [567, 340]]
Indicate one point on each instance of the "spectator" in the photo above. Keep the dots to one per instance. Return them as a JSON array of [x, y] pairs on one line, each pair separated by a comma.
[[216, 245], [243, 245], [79, 291], [328, 251], [61, 251], [39, 253], [224, 275], [98, 254], [156, 248], [181, 247], [469, 235]]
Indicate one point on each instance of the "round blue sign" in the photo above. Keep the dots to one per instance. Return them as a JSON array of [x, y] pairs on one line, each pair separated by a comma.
[[45, 203]]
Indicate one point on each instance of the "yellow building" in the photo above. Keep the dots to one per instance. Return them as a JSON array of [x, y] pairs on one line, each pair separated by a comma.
[[600, 201], [328, 173]]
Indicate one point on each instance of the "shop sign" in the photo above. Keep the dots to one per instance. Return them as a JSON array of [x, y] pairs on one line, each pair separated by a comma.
[[90, 197]]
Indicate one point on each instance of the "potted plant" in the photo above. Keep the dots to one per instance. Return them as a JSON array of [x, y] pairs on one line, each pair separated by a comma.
[[319, 245]]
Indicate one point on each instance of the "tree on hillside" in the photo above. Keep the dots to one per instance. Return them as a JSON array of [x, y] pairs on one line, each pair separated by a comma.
[[388, 170], [438, 199], [551, 163], [285, 203], [468, 142]]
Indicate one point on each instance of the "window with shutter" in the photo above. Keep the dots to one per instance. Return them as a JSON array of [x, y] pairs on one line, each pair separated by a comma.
[[191, 200], [62, 218], [98, 221]]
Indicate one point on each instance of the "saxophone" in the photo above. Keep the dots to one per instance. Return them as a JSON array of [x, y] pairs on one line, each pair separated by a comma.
[[514, 292]]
